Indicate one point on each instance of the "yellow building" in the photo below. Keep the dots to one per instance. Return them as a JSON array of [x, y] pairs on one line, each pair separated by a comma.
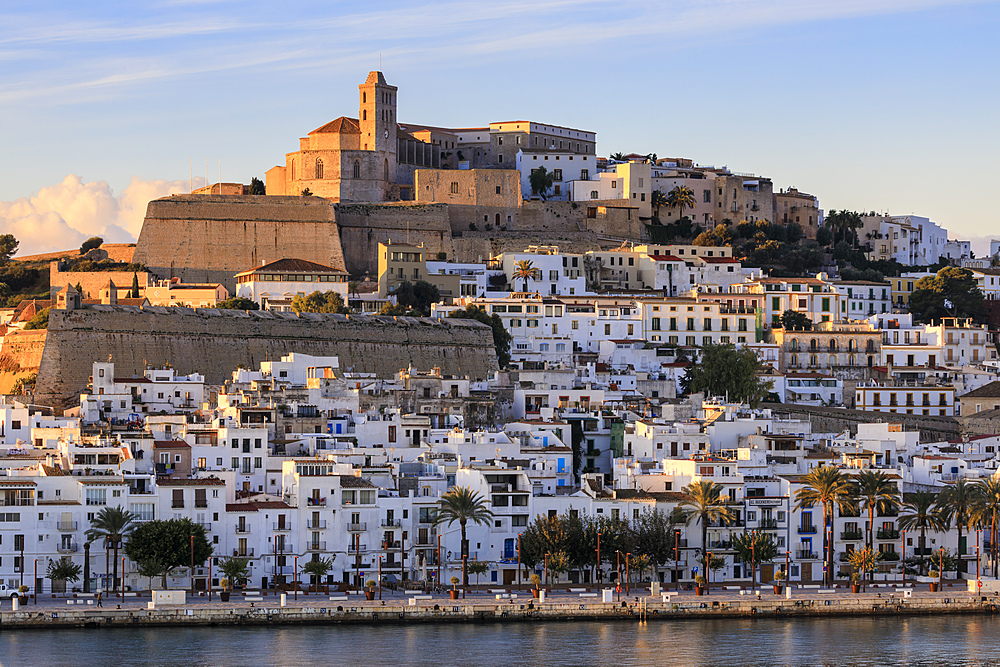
[[903, 286], [193, 295], [399, 262]]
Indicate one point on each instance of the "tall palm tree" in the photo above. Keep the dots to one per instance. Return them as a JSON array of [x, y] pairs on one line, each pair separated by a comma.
[[958, 502], [523, 270], [875, 491], [681, 197], [987, 511], [657, 200], [705, 504], [112, 524], [829, 487], [920, 510], [617, 157], [462, 504]]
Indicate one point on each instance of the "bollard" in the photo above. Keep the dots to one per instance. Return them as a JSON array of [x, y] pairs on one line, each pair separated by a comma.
[[284, 599], [15, 602]]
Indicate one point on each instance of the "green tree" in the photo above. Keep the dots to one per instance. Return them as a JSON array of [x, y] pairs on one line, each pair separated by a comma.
[[791, 319], [257, 186], [958, 503], [393, 310], [501, 337], [654, 537], [317, 569], [844, 226], [463, 505], [134, 293], [8, 247], [478, 567], [320, 302], [166, 545], [90, 244], [987, 511], [524, 269], [864, 562], [63, 569], [829, 487], [112, 524], [755, 547], [235, 569], [418, 295], [725, 370], [704, 503], [874, 492], [681, 197], [39, 320], [953, 292], [541, 181], [657, 200], [920, 512], [237, 303], [824, 236], [306, 192]]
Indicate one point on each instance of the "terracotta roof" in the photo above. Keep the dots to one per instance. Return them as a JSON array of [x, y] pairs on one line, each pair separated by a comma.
[[342, 125], [666, 258], [170, 444], [719, 260], [292, 265], [203, 481], [640, 494], [16, 482], [352, 482]]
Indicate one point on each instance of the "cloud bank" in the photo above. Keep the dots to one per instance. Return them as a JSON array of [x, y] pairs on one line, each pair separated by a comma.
[[62, 216]]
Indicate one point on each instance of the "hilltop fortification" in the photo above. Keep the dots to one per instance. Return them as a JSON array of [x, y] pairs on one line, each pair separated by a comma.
[[216, 342]]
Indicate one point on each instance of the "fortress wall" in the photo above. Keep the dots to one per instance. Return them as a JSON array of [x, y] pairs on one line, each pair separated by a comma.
[[210, 238], [216, 342], [20, 356], [364, 226], [92, 282], [480, 246]]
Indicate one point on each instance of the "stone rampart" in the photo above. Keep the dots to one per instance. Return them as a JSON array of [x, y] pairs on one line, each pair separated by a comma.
[[832, 420], [20, 356], [364, 226], [210, 238], [92, 282], [216, 342]]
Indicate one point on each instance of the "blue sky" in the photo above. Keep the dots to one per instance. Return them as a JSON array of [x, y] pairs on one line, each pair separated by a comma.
[[881, 105]]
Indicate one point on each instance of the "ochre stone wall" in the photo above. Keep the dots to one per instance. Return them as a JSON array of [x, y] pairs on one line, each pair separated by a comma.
[[216, 342], [211, 238], [92, 282], [364, 226]]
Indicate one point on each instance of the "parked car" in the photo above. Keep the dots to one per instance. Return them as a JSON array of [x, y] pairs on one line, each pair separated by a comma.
[[7, 592]]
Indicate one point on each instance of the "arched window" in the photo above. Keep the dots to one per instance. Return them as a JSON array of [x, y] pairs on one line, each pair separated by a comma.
[[813, 345], [357, 169], [794, 344], [833, 345], [852, 361], [364, 114], [795, 360], [385, 169], [498, 219], [833, 361], [852, 345], [319, 168], [871, 361], [364, 98], [870, 347], [812, 359]]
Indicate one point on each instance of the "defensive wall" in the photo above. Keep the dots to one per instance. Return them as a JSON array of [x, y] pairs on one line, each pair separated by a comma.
[[364, 226], [834, 420], [216, 342], [20, 356], [92, 282], [210, 238]]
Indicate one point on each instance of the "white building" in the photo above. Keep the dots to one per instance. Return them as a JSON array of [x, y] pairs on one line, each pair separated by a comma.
[[273, 286]]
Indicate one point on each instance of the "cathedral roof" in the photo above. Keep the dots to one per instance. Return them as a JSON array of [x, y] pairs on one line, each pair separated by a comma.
[[342, 125], [375, 77]]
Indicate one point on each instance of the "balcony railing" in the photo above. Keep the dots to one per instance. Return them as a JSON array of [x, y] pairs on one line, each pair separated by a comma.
[[316, 546], [280, 528], [851, 535], [242, 529], [391, 524], [767, 523], [68, 548], [316, 525], [316, 502], [66, 525], [243, 553], [359, 527], [807, 530], [887, 534], [206, 526], [889, 555], [357, 549], [806, 555]]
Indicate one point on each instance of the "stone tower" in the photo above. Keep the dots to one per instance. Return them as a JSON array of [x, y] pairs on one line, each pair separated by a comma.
[[377, 118]]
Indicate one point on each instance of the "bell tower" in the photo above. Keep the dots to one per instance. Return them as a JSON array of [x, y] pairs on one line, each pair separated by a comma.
[[377, 118]]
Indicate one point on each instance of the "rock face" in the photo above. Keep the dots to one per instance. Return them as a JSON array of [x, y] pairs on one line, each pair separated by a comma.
[[211, 238], [216, 342]]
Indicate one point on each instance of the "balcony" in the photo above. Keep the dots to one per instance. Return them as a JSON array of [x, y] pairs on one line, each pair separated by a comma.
[[316, 502], [887, 534], [316, 546], [66, 525], [315, 525], [281, 528], [68, 548], [852, 535], [889, 555], [357, 549], [392, 524], [357, 527], [806, 555], [807, 530], [206, 526], [242, 530], [767, 524], [243, 553]]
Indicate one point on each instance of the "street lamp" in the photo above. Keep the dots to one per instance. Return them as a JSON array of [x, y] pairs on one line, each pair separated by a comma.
[[677, 542], [627, 575], [546, 570], [903, 557]]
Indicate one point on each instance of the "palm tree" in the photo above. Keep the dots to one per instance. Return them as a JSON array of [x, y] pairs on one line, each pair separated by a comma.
[[523, 270], [462, 504], [112, 524], [987, 510], [920, 510], [874, 491], [958, 503], [829, 487], [704, 498], [658, 200], [681, 197], [617, 157]]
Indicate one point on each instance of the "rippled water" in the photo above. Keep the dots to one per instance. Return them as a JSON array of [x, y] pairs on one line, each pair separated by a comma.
[[945, 640]]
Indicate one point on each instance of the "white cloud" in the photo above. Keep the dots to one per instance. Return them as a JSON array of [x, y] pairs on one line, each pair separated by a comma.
[[61, 217]]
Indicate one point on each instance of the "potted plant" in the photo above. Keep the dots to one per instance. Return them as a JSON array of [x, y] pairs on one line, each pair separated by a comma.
[[224, 595], [370, 592], [779, 578], [454, 591], [699, 585], [537, 581], [236, 571], [933, 584], [855, 582]]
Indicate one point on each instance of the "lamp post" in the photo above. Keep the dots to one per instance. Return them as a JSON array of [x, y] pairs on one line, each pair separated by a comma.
[[209, 579], [753, 566], [546, 570], [295, 575], [599, 577], [941, 569], [192, 565], [677, 543], [618, 574], [380, 577], [35, 587], [977, 556], [903, 557], [628, 576], [518, 562]]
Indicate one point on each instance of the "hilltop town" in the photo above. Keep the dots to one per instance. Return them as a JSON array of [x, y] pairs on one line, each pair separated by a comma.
[[313, 366]]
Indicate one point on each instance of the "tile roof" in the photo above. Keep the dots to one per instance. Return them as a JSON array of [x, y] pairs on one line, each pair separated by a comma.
[[294, 265], [991, 390], [342, 125], [203, 481], [170, 444], [353, 482]]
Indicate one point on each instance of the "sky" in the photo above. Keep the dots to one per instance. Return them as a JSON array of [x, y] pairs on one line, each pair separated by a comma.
[[871, 105]]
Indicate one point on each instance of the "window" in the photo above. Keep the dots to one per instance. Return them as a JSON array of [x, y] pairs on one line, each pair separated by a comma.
[[357, 169], [584, 175], [454, 187], [97, 496], [319, 168]]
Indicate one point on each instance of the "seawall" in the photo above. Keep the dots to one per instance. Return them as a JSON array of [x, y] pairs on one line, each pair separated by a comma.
[[215, 342]]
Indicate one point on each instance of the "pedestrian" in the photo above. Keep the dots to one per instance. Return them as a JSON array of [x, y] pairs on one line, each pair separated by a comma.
[[99, 603]]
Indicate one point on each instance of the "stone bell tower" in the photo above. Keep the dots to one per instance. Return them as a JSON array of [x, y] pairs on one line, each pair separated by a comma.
[[377, 117]]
